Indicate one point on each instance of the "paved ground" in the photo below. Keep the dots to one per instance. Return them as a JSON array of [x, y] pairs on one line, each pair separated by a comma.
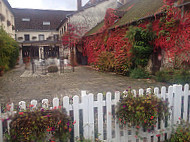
[[17, 85]]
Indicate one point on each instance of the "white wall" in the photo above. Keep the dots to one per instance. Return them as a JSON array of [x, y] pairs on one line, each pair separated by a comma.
[[35, 34], [90, 17], [8, 16]]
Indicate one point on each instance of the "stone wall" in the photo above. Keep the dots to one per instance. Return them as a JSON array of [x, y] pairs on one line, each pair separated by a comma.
[[90, 17]]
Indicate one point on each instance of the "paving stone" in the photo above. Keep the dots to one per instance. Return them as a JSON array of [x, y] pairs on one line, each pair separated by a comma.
[[20, 85]]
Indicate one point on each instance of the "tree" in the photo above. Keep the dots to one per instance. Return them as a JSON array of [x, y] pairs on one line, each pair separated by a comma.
[[9, 51]]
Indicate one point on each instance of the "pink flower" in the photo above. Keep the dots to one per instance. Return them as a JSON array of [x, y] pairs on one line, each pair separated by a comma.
[[74, 122], [124, 106], [137, 126]]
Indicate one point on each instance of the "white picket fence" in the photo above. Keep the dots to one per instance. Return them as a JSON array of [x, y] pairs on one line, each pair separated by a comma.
[[96, 118]]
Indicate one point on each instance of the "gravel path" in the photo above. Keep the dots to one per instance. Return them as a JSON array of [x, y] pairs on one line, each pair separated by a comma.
[[16, 88]]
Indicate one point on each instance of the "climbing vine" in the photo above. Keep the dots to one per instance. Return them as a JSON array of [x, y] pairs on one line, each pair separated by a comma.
[[169, 31]]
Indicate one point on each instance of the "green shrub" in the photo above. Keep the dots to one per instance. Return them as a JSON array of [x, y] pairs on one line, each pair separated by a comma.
[[52, 69], [173, 76], [9, 50], [139, 73], [164, 76], [182, 133], [141, 41], [106, 61]]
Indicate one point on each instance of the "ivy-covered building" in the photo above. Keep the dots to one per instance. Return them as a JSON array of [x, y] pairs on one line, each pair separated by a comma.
[[140, 17]]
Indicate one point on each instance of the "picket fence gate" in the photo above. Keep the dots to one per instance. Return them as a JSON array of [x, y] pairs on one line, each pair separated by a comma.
[[96, 118]]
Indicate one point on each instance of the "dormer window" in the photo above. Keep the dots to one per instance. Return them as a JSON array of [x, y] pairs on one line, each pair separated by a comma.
[[26, 19], [46, 23]]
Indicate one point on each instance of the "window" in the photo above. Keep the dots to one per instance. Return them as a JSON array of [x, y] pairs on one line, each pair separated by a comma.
[[56, 37], [46, 23], [26, 37], [64, 29], [26, 19], [41, 37]]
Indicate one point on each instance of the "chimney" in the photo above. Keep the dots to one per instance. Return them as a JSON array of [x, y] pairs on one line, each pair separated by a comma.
[[79, 5], [93, 1]]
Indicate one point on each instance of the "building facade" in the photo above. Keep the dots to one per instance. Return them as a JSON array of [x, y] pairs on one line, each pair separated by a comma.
[[7, 18], [36, 31]]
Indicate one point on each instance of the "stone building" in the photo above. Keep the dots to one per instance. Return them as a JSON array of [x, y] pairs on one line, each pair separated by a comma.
[[36, 31], [7, 18], [84, 19]]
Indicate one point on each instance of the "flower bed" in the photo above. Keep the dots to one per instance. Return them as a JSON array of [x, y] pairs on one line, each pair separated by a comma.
[[37, 125]]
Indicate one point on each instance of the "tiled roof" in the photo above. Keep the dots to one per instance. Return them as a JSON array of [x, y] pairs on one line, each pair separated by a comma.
[[135, 10], [37, 17], [91, 4]]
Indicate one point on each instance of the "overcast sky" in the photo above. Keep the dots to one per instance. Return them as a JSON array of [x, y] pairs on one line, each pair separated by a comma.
[[46, 4]]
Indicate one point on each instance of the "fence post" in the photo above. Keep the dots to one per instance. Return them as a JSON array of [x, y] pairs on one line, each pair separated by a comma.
[[55, 103], [1, 126], [100, 116], [76, 115], [91, 116], [66, 104], [177, 90], [186, 91], [85, 116], [117, 130], [109, 116]]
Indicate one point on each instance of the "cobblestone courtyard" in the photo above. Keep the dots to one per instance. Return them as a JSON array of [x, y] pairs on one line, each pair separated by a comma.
[[16, 88]]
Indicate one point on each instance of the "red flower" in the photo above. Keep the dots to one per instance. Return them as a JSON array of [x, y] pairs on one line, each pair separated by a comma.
[[59, 122], [49, 129], [158, 135], [20, 113], [55, 107], [151, 117], [31, 106], [70, 129]]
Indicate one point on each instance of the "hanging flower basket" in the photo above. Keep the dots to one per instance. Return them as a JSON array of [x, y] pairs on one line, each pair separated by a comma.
[[141, 111], [8, 23]]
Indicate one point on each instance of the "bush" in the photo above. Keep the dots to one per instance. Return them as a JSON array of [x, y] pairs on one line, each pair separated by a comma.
[[106, 61], [141, 111], [182, 133], [36, 125], [173, 76], [139, 73], [9, 51], [52, 69]]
